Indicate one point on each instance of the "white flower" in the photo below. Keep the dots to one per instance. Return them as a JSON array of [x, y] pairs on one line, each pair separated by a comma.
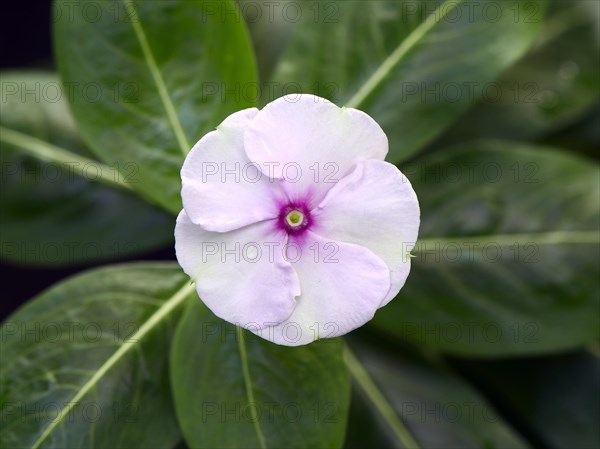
[[293, 225]]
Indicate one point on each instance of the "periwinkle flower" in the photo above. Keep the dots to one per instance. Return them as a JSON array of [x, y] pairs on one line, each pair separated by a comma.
[[293, 225]]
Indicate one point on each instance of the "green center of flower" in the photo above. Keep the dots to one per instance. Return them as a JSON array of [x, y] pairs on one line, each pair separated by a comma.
[[294, 218]]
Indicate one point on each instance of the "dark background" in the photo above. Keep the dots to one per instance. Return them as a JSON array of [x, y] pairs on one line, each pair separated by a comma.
[[26, 43]]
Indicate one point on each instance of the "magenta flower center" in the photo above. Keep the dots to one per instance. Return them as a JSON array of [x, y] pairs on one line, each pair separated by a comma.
[[294, 218]]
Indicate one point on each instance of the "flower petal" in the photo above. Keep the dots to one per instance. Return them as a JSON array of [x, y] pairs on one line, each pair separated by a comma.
[[376, 207], [222, 190], [240, 275], [311, 143], [341, 285]]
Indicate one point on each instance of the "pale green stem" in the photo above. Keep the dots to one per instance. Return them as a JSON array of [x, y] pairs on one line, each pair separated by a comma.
[[169, 306], [71, 161], [401, 51], [362, 378]]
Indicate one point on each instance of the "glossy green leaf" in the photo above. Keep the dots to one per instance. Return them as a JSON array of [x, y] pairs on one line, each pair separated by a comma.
[[556, 82], [554, 398], [85, 363], [408, 402], [412, 67], [55, 212], [508, 256], [233, 389], [148, 79]]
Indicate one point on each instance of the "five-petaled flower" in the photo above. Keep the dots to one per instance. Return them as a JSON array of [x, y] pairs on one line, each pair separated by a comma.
[[293, 225]]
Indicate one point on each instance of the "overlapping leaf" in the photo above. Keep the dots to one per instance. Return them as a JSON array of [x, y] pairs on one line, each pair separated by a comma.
[[507, 258], [413, 66], [233, 389], [423, 404], [551, 86], [60, 212], [148, 79], [85, 364]]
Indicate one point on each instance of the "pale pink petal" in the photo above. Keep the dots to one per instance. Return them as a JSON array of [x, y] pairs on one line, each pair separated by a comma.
[[342, 285], [311, 143], [222, 190], [240, 275], [376, 207]]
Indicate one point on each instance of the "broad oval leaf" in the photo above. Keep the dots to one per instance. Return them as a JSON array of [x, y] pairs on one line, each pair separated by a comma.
[[403, 400], [233, 389], [147, 79], [555, 83], [85, 363], [507, 259], [57, 213], [413, 67]]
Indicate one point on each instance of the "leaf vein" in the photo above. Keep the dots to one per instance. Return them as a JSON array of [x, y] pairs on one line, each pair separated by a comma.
[[400, 52], [171, 304], [248, 384], [158, 78], [386, 410]]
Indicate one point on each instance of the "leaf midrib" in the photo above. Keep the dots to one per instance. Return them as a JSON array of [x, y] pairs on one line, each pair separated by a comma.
[[171, 304], [407, 44], [49, 152], [385, 409], [248, 385], [157, 78]]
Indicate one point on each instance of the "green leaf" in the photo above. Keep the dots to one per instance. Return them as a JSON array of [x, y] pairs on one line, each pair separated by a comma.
[[55, 211], [148, 79], [507, 259], [413, 69], [269, 30], [409, 402], [554, 398], [89, 361], [34, 102], [556, 82], [233, 389]]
